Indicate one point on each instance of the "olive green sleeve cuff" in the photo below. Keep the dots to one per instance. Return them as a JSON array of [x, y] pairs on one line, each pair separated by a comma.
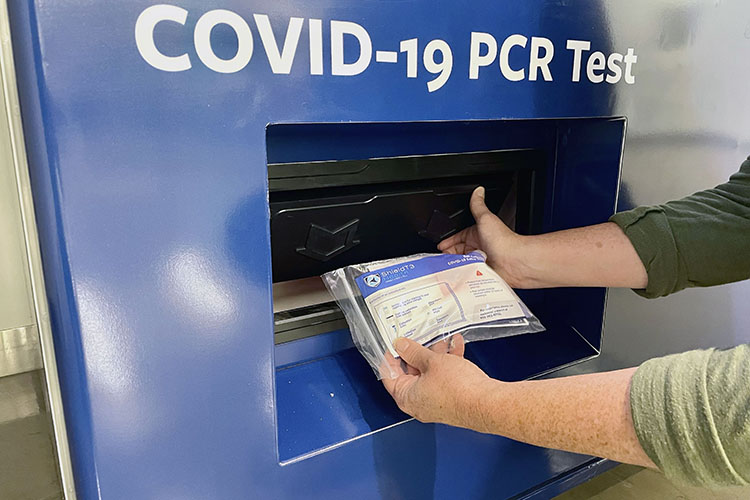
[[699, 240], [649, 231], [690, 413]]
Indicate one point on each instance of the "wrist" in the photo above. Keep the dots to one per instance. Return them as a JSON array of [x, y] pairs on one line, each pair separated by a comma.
[[514, 262], [477, 408]]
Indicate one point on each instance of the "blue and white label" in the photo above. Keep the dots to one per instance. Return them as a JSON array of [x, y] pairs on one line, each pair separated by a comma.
[[435, 296], [404, 271]]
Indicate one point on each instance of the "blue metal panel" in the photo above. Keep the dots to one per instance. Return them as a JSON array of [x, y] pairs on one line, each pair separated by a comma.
[[163, 329]]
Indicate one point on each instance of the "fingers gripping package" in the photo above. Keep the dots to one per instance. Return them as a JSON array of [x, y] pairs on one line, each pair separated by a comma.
[[426, 298]]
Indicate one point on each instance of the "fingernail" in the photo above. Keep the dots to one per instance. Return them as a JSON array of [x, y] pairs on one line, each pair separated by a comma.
[[400, 344]]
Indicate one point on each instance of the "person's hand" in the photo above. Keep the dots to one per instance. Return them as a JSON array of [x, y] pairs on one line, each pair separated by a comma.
[[491, 236], [439, 385]]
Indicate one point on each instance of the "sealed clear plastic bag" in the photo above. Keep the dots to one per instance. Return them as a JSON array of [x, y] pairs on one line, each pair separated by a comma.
[[427, 298]]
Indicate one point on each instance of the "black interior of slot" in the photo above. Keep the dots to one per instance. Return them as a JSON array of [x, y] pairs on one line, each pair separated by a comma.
[[359, 211]]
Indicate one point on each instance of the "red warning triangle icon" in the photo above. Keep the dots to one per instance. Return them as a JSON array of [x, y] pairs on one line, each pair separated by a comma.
[[479, 273]]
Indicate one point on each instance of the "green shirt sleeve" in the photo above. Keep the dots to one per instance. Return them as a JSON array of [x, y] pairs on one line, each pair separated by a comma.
[[691, 413], [700, 240]]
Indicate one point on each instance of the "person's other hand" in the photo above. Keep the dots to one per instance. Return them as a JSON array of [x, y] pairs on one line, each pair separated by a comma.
[[439, 385], [491, 236]]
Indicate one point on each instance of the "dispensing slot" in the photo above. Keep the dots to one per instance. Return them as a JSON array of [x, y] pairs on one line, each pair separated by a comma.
[[326, 215]]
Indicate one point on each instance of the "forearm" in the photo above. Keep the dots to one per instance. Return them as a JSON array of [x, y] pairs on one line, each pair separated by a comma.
[[587, 414], [599, 255]]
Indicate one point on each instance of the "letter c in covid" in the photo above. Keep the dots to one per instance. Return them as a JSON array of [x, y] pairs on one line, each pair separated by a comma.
[[144, 37]]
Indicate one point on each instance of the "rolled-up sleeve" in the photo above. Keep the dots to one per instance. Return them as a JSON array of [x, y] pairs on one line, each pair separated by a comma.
[[691, 413], [700, 240]]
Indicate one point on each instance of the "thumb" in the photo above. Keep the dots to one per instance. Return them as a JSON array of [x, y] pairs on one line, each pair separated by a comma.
[[476, 204], [413, 353]]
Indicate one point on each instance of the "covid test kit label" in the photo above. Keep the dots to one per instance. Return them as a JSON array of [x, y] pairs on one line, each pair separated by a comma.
[[435, 296]]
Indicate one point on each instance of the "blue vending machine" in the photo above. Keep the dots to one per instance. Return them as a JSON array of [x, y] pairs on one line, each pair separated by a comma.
[[197, 165]]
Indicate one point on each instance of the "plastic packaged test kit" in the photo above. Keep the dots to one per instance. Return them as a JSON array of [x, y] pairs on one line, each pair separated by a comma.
[[426, 298]]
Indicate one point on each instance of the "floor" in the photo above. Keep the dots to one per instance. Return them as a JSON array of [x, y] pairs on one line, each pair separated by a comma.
[[627, 482], [28, 470]]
